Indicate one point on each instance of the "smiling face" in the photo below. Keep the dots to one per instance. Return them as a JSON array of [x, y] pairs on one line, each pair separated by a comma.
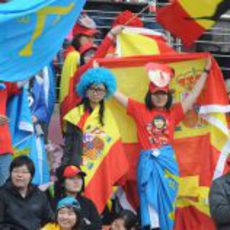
[[21, 177], [96, 93], [118, 224], [66, 218], [159, 99]]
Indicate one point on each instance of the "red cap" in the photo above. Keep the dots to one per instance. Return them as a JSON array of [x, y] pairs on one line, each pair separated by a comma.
[[85, 26], [87, 46], [71, 171], [160, 76], [124, 17], [78, 29], [153, 88]]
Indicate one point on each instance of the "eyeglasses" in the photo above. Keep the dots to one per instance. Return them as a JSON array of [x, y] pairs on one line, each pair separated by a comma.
[[97, 90]]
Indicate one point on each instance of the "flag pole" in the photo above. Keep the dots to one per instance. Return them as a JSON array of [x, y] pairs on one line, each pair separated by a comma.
[[136, 15]]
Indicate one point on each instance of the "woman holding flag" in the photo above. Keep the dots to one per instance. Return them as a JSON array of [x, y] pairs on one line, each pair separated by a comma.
[[92, 139], [156, 120]]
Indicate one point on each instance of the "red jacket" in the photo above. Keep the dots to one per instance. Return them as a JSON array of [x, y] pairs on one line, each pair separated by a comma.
[[5, 137]]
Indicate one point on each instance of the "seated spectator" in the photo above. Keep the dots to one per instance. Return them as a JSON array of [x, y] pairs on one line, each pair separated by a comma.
[[22, 205], [67, 215], [71, 183], [126, 220], [219, 199]]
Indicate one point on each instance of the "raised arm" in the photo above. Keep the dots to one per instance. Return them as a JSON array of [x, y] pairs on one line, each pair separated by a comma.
[[188, 102], [121, 98]]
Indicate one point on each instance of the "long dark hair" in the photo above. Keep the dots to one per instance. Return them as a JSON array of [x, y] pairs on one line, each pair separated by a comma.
[[86, 103], [149, 105], [76, 42]]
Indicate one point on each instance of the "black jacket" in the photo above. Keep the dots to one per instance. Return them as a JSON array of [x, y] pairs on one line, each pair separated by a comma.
[[90, 216], [219, 199], [18, 213]]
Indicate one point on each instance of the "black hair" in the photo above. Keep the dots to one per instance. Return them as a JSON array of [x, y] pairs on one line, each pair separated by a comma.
[[59, 186], [130, 219], [82, 57], [76, 42], [86, 103], [79, 219], [21, 161], [149, 105]]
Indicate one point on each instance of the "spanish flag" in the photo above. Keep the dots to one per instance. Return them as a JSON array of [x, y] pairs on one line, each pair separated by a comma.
[[141, 41], [201, 139], [67, 80], [188, 19], [104, 160]]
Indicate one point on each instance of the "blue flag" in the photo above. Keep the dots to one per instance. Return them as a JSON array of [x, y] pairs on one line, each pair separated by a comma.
[[25, 139], [31, 34]]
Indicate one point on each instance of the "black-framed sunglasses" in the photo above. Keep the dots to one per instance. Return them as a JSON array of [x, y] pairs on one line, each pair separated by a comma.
[[97, 90]]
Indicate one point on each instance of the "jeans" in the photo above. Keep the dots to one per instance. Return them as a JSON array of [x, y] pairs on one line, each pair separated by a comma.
[[5, 160]]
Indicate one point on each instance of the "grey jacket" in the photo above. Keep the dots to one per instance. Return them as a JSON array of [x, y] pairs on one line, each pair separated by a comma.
[[219, 199]]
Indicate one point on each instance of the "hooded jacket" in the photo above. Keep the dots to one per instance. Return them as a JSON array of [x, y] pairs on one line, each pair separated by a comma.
[[23, 213]]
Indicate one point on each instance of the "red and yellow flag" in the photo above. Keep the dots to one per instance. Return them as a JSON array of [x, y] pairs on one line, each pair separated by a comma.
[[189, 19], [104, 160], [67, 80], [141, 41], [200, 140]]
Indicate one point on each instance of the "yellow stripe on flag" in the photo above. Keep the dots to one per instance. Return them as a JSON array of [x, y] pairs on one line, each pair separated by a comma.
[[68, 70], [200, 8]]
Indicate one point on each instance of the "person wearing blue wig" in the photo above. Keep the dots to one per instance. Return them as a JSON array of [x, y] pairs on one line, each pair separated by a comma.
[[92, 138]]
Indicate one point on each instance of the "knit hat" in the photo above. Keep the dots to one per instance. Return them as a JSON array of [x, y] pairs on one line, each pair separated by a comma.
[[69, 202], [160, 76], [97, 76], [71, 171]]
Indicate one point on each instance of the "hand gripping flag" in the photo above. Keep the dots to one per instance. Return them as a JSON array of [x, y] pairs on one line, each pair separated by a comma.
[[32, 33], [201, 139], [188, 19]]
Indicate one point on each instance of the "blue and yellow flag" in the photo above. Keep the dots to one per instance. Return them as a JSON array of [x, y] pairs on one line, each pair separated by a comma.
[[32, 33]]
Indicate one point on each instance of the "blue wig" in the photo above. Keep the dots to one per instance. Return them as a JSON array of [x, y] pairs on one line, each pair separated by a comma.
[[97, 76]]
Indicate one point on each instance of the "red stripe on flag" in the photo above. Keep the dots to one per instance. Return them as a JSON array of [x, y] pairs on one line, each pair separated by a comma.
[[190, 218], [113, 167], [175, 19]]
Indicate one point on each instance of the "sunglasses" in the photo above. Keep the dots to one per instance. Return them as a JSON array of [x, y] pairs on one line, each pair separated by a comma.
[[97, 90]]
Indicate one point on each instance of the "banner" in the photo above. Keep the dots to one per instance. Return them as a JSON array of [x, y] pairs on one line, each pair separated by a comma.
[[188, 19], [200, 142], [32, 33], [25, 139]]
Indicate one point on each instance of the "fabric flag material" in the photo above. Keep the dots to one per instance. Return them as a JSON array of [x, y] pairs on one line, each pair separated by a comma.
[[104, 161], [49, 83], [201, 140], [33, 32], [67, 78], [189, 19], [24, 139], [128, 42]]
